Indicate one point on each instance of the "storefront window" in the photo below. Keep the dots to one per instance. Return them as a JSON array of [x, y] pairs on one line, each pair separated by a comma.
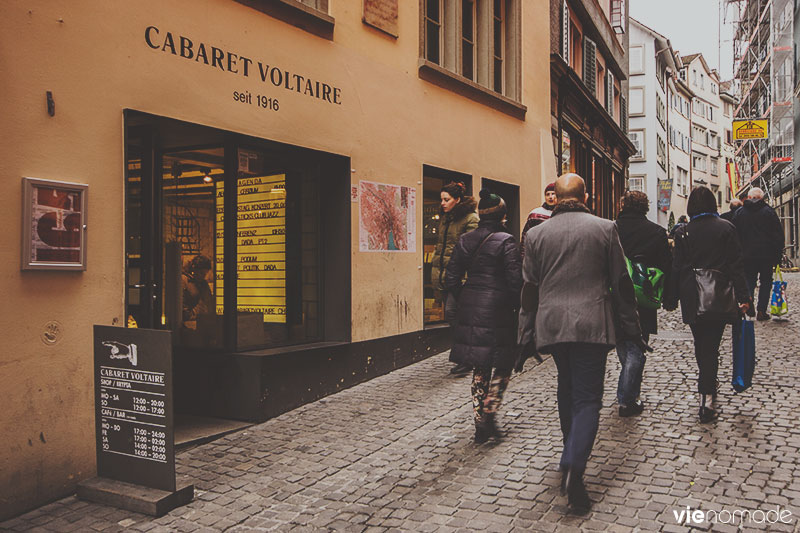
[[431, 215], [567, 157], [192, 271], [178, 233], [277, 253]]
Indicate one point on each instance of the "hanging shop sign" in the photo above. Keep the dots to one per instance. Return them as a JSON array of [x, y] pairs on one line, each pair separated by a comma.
[[664, 194], [53, 225], [750, 129], [260, 244]]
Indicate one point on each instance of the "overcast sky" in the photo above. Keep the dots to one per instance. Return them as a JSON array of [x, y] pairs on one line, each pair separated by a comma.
[[692, 27]]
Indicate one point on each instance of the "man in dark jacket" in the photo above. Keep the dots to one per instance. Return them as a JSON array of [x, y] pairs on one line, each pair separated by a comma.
[[570, 264], [734, 207], [761, 234], [643, 242]]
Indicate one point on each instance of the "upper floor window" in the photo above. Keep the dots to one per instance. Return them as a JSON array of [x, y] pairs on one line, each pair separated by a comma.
[[661, 111], [468, 32], [434, 34], [309, 15], [476, 39], [319, 5], [617, 12], [499, 43], [661, 152], [636, 59]]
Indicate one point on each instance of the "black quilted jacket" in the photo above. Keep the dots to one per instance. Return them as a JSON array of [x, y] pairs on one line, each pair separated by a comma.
[[486, 329]]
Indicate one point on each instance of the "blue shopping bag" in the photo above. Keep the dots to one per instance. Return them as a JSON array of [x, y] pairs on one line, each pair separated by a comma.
[[744, 355]]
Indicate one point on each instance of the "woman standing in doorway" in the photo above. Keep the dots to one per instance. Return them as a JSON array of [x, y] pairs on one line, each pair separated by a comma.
[[458, 217], [707, 244], [486, 329]]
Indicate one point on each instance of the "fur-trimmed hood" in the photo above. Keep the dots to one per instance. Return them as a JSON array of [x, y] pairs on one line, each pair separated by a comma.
[[467, 205]]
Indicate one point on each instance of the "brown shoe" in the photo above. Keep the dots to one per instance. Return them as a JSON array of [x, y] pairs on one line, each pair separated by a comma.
[[762, 316]]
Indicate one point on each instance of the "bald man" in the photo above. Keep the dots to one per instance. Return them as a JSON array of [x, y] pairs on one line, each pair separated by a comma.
[[761, 234], [733, 208], [570, 264]]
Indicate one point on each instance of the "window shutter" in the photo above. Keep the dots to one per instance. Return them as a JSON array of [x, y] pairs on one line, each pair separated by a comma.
[[590, 64], [565, 32], [623, 114], [610, 92]]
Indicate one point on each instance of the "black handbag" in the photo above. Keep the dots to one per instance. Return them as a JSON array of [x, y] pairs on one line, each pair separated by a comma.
[[715, 298], [714, 288]]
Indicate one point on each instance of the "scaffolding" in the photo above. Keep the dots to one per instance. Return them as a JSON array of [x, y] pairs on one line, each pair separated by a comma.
[[763, 55]]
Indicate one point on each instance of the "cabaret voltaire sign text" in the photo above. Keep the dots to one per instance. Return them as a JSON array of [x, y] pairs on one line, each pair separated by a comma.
[[230, 62]]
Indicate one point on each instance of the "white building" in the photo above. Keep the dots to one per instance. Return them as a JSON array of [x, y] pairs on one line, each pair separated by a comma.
[[650, 63], [729, 105], [707, 126], [679, 152]]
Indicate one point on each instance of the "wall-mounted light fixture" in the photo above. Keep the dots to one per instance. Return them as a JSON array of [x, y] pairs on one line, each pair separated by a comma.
[[51, 104]]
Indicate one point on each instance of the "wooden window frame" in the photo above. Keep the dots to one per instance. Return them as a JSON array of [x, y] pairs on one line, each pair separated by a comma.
[[316, 21]]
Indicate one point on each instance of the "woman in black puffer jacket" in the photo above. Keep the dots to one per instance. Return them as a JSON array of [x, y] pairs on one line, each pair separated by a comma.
[[486, 329]]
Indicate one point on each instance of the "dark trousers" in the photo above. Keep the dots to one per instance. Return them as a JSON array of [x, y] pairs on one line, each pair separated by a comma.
[[581, 371], [764, 274], [707, 336], [632, 359]]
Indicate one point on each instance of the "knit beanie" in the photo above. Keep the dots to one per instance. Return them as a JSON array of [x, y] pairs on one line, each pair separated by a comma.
[[550, 187], [491, 206]]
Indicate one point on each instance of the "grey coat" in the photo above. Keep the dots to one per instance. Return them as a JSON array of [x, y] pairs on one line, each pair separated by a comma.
[[576, 283]]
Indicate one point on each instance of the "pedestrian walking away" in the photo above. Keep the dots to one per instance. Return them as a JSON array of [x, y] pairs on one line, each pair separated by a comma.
[[570, 264], [733, 208], [761, 234], [486, 328], [707, 258], [682, 221], [646, 243], [458, 216]]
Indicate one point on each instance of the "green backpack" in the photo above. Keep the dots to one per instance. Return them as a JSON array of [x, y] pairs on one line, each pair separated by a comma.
[[648, 284]]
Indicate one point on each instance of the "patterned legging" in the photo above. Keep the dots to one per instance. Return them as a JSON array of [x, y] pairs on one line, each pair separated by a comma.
[[487, 392]]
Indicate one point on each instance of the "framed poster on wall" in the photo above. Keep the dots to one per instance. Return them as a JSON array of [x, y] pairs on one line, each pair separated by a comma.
[[53, 225]]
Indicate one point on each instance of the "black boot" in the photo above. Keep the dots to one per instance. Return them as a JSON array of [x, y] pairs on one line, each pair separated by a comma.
[[577, 496], [707, 412], [486, 429], [481, 433]]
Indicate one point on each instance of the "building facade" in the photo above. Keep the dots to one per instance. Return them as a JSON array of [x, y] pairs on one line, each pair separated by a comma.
[[589, 77], [679, 152], [793, 208], [651, 63], [707, 126], [260, 178], [765, 44]]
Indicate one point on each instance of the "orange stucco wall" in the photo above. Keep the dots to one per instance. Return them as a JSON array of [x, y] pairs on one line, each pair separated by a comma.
[[93, 56]]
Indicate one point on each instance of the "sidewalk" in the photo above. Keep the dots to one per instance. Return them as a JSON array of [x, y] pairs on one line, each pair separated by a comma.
[[396, 453]]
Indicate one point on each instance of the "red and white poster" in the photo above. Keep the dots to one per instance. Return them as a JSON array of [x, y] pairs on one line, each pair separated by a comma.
[[55, 218]]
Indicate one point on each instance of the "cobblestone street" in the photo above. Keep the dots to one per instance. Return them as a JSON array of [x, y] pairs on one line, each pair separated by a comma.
[[396, 453]]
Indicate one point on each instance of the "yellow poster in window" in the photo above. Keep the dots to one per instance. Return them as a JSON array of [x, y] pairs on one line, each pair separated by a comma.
[[260, 246]]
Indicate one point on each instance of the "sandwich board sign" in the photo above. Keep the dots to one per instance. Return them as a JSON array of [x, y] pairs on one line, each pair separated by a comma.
[[134, 424]]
